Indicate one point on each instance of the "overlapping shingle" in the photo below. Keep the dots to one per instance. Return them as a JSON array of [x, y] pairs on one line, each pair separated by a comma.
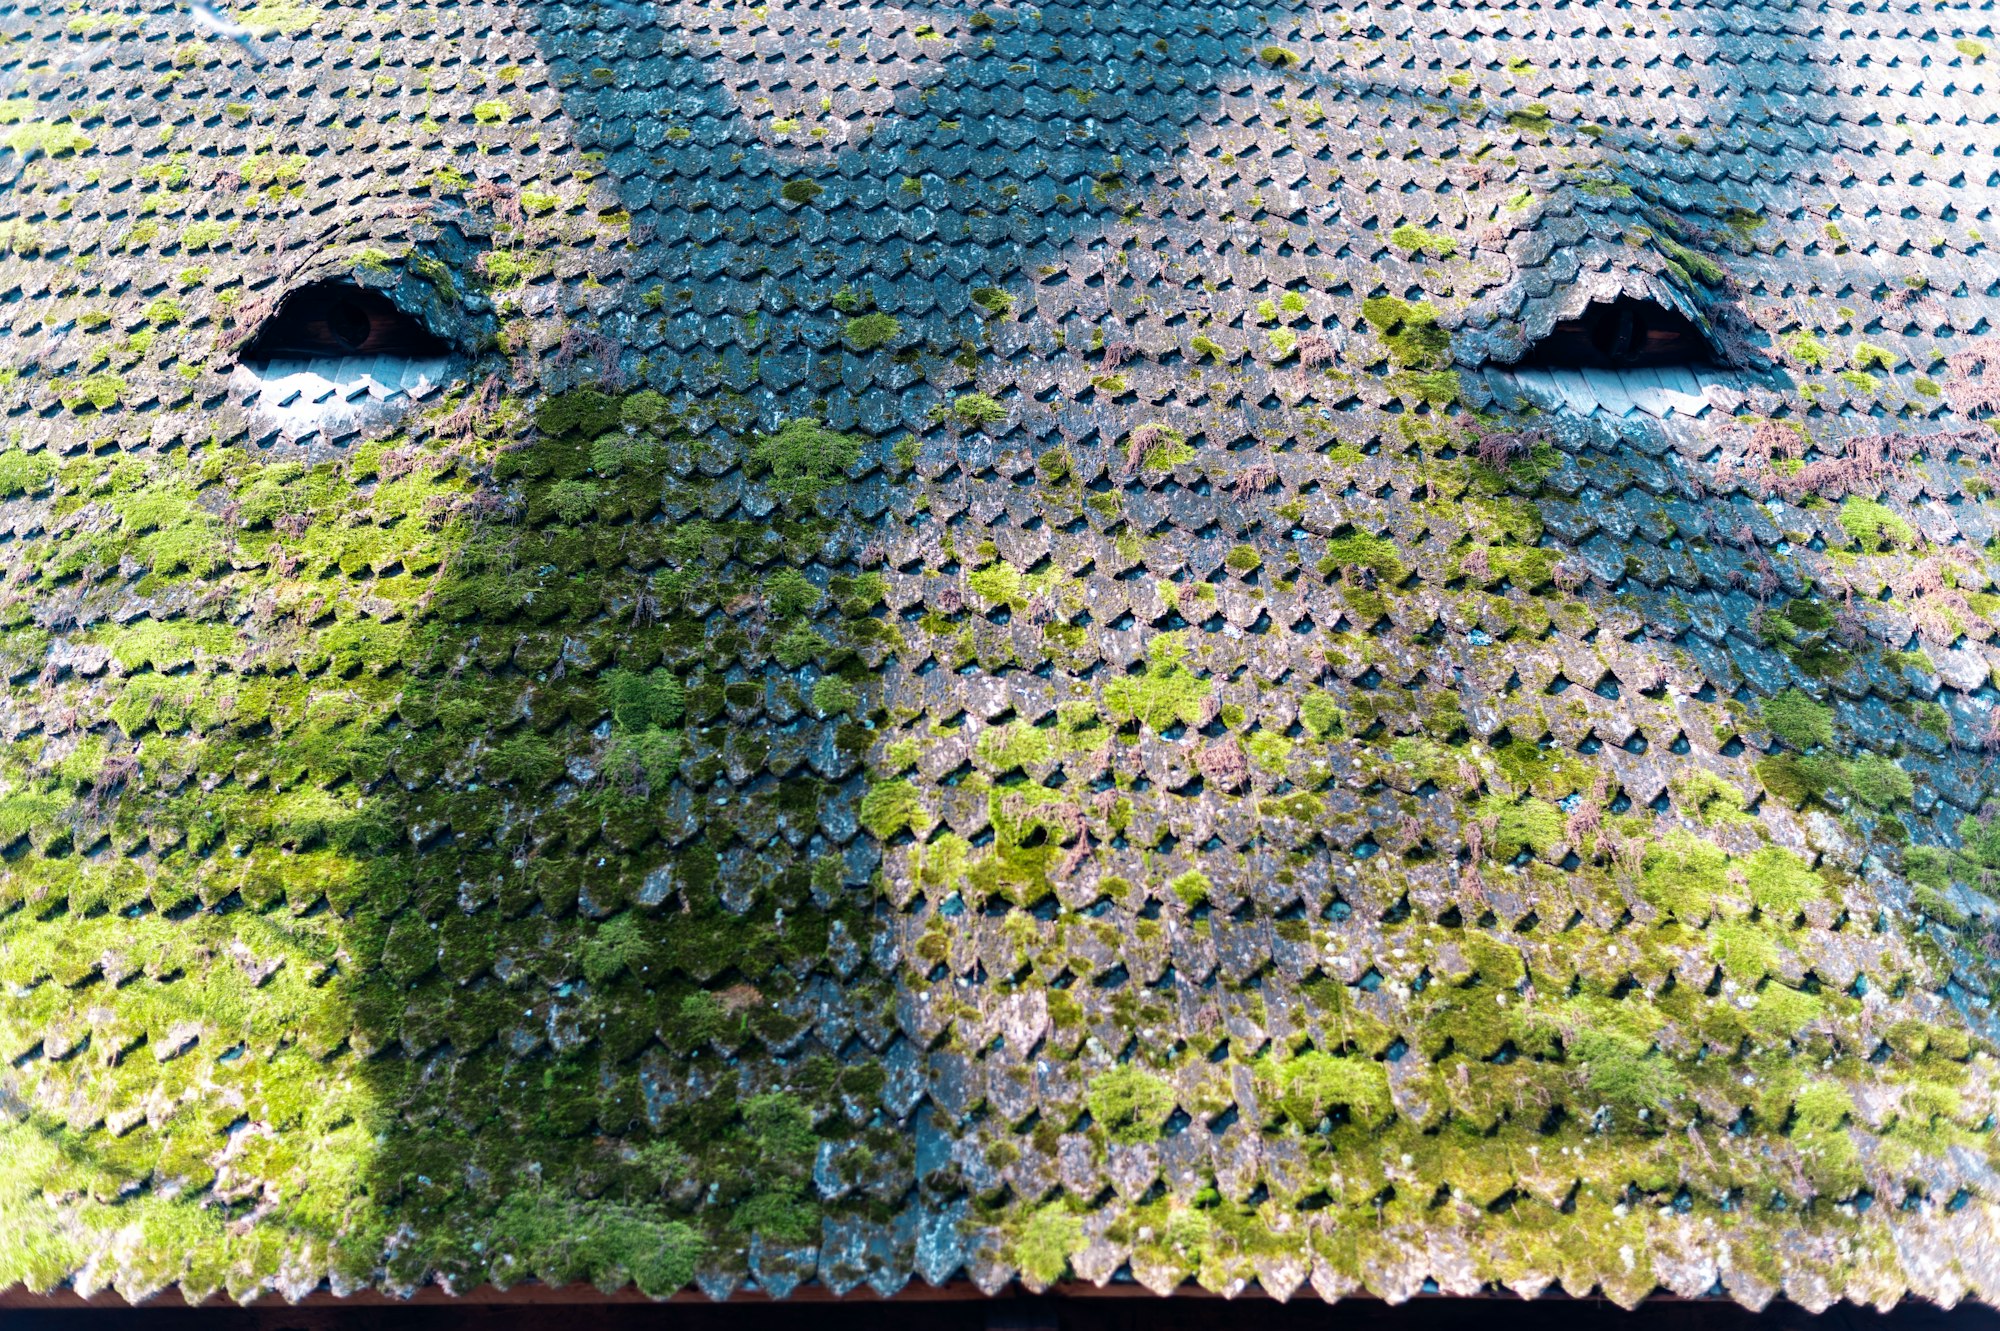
[[1193, 769]]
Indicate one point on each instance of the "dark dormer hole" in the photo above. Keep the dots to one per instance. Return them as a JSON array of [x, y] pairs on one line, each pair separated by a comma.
[[332, 320], [1625, 334]]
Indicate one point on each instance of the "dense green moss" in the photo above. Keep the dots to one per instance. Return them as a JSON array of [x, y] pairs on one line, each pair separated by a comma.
[[804, 458], [1161, 691], [656, 698], [1050, 1234], [995, 301], [976, 410], [1874, 526], [582, 413], [1681, 874], [890, 807], [1878, 782], [1321, 714], [1129, 1104], [1314, 1085], [869, 331], [1708, 798], [1525, 824], [998, 584], [1377, 554], [1781, 885], [1614, 1046], [1410, 330], [1799, 721]]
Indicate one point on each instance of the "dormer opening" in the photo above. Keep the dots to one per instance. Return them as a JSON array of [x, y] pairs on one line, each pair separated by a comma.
[[335, 360], [1627, 333], [336, 320]]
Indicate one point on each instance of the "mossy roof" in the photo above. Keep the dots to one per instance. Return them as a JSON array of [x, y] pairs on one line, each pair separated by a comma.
[[978, 668]]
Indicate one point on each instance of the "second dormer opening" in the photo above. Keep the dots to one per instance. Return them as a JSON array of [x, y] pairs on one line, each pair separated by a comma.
[[335, 320], [1622, 334]]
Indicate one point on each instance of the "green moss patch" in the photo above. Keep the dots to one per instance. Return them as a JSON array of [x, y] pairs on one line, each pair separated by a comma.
[[1161, 691], [1314, 1085], [1681, 873], [804, 459], [1799, 721], [1129, 1104], [1416, 240], [890, 807], [867, 332], [1410, 331], [1874, 526]]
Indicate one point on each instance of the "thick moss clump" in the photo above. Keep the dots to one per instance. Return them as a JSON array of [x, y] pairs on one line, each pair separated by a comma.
[[804, 458], [583, 412], [656, 698], [1410, 330], [1162, 691], [1048, 1237], [1799, 721], [891, 807], [1314, 1085], [1781, 885], [867, 332], [1129, 1104], [1681, 874], [1526, 824], [1321, 714]]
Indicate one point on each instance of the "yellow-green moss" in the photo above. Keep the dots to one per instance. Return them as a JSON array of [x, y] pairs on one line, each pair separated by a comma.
[[1129, 1104], [1161, 691], [1680, 874], [867, 332], [1874, 526], [804, 458]]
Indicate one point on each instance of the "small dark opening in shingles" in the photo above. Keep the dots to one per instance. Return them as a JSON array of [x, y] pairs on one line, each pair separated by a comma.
[[1624, 334], [331, 320]]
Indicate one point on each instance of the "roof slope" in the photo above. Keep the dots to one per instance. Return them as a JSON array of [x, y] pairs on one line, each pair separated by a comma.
[[983, 669]]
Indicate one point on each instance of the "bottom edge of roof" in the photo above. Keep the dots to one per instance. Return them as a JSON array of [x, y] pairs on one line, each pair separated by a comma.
[[957, 1290]]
